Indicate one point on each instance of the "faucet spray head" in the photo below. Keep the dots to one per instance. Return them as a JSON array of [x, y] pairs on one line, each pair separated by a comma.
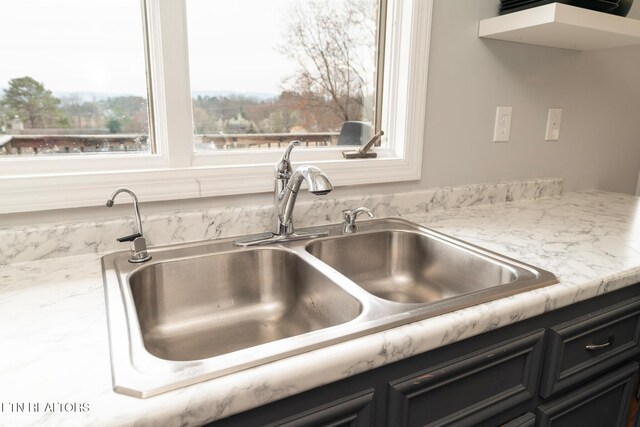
[[317, 182], [109, 203], [320, 184]]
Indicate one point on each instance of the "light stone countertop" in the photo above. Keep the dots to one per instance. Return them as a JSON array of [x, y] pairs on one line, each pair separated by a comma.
[[55, 349]]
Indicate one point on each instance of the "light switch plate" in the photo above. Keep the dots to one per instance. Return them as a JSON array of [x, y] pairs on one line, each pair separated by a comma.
[[553, 124], [502, 129]]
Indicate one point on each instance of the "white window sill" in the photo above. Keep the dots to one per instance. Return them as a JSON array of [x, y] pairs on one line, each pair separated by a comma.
[[55, 191]]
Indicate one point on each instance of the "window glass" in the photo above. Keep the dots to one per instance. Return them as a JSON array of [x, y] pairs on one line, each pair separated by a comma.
[[73, 78], [266, 72]]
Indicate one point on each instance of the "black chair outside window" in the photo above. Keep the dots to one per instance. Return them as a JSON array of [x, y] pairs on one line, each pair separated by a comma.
[[354, 133]]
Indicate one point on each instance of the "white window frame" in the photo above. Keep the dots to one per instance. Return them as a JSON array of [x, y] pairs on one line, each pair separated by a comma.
[[176, 172]]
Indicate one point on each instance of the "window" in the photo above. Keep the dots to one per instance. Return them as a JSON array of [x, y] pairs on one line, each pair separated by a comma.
[[193, 142], [290, 69], [73, 78]]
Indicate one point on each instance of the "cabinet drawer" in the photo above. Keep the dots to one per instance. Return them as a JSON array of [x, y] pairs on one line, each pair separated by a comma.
[[469, 390], [592, 344], [604, 402], [351, 411]]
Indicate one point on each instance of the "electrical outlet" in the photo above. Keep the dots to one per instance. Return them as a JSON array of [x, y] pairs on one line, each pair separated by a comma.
[[502, 128], [553, 124]]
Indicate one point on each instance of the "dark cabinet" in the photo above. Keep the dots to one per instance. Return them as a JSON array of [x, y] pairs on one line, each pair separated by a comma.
[[589, 345], [526, 420], [576, 366], [352, 411], [335, 405], [604, 402], [470, 390]]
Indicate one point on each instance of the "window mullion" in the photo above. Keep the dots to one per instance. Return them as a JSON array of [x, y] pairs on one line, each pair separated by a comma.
[[170, 74]]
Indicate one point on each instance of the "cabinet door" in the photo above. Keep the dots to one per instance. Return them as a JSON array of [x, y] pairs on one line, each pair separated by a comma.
[[470, 390], [590, 345], [604, 402], [526, 420], [351, 411]]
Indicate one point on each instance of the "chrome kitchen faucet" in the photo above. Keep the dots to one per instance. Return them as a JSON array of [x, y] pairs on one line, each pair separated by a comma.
[[287, 183]]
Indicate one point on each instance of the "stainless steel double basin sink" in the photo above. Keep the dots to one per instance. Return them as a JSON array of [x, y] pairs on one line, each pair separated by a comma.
[[202, 310]]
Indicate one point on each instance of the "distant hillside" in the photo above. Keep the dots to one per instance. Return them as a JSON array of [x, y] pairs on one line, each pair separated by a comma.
[[101, 96], [90, 96], [261, 96]]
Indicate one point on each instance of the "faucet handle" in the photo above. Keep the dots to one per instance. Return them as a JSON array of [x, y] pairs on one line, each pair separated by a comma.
[[129, 238], [283, 167], [350, 216]]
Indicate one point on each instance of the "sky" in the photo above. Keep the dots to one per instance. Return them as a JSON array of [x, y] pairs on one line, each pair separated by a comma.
[[73, 45], [246, 36], [96, 45]]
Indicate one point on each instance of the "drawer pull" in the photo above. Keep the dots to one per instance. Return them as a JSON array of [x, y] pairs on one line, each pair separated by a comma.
[[593, 347]]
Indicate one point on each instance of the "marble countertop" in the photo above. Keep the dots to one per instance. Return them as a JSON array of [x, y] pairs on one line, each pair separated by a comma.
[[54, 363]]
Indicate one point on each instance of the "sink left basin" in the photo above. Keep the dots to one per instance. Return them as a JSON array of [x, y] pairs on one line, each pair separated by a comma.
[[200, 311], [210, 305]]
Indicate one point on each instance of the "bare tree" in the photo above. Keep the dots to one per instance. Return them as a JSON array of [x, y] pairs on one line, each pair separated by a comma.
[[330, 41]]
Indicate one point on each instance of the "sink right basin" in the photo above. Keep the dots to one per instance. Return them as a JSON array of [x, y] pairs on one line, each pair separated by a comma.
[[411, 267]]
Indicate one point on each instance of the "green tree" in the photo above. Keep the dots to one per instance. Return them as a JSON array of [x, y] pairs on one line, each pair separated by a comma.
[[4, 117], [129, 111], [33, 103], [114, 125]]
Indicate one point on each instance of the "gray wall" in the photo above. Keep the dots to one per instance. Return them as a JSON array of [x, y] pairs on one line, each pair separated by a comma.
[[599, 143]]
